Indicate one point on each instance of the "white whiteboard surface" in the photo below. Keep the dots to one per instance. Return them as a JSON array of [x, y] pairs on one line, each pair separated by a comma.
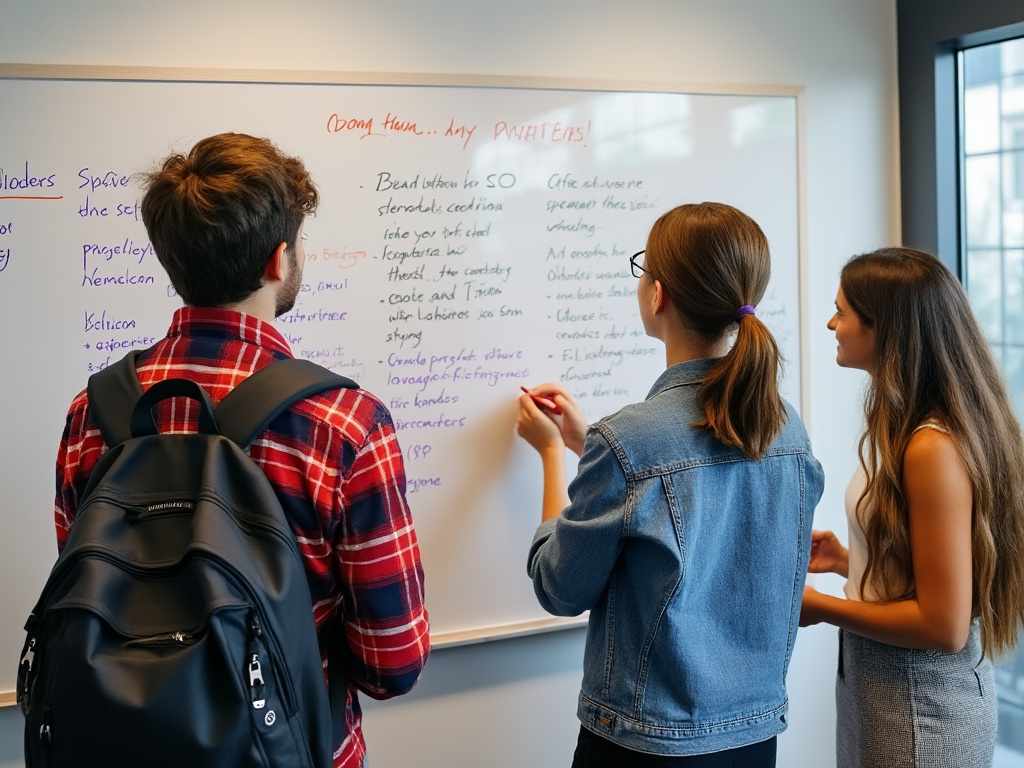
[[471, 238]]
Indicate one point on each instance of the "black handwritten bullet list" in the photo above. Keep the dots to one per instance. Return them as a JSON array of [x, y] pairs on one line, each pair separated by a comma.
[[440, 290], [591, 292], [459, 301]]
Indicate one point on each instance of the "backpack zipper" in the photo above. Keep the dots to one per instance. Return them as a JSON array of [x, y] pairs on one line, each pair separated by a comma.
[[257, 687], [165, 638], [287, 684], [28, 657]]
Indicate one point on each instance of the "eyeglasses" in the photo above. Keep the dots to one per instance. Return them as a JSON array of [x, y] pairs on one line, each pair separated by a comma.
[[637, 269]]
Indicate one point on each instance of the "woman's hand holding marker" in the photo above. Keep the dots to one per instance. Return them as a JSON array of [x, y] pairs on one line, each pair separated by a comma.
[[554, 400], [544, 402]]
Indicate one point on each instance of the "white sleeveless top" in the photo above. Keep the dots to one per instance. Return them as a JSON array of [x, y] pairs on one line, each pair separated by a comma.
[[858, 546]]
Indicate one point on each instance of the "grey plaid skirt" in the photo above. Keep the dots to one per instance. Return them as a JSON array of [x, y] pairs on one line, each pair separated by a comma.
[[905, 708]]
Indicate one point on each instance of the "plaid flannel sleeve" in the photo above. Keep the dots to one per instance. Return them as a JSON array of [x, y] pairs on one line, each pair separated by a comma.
[[80, 448], [385, 618]]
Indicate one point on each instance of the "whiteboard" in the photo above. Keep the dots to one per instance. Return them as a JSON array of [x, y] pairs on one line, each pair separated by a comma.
[[471, 239]]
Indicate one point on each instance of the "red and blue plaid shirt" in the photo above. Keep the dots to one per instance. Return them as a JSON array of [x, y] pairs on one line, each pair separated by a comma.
[[337, 468]]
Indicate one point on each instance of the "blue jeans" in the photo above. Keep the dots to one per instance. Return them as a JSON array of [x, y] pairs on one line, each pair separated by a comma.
[[593, 751]]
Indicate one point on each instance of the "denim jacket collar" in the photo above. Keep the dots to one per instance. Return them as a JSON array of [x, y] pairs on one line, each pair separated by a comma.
[[682, 374]]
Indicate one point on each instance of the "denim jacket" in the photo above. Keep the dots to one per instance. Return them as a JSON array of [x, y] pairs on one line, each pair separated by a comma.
[[691, 559]]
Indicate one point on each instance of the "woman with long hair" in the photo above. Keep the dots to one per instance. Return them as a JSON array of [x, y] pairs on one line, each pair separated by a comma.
[[935, 587], [686, 531]]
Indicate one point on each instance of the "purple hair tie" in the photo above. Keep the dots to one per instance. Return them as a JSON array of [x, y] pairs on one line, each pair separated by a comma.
[[746, 309]]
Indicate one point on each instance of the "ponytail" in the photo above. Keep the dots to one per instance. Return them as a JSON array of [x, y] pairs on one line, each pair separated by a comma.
[[712, 258], [740, 393]]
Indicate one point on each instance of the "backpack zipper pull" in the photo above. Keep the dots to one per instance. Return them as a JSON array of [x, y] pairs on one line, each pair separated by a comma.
[[29, 656], [256, 683], [46, 731], [24, 670]]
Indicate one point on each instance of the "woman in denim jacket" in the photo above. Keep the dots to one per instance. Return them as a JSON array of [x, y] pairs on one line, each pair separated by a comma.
[[686, 532]]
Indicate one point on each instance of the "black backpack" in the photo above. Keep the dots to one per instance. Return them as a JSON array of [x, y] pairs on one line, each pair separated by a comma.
[[175, 628]]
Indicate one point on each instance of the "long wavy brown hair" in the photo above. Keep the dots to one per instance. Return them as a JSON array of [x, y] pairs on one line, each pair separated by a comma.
[[712, 259], [933, 362]]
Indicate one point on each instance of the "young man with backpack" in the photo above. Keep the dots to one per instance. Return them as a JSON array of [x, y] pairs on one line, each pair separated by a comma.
[[226, 223]]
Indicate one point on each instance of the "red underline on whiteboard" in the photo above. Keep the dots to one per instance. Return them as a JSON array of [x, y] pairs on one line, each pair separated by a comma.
[[26, 197]]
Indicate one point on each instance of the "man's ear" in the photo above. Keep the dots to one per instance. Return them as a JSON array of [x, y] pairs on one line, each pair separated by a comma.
[[275, 270]]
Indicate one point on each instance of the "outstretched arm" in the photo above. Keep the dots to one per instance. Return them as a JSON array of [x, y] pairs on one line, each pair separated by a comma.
[[541, 431], [939, 498]]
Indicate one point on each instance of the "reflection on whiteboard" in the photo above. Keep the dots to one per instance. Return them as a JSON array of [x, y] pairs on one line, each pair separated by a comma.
[[469, 241]]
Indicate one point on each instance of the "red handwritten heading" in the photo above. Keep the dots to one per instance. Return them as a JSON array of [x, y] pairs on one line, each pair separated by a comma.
[[392, 124]]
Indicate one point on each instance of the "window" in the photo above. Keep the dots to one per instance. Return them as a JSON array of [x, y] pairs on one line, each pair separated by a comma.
[[991, 139]]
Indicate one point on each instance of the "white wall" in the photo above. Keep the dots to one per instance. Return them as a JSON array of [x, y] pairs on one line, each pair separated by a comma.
[[511, 703]]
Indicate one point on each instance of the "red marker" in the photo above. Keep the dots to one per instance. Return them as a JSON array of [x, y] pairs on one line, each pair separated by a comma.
[[544, 402]]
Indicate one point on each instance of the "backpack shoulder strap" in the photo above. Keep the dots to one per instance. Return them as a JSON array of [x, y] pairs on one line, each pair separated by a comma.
[[113, 393], [250, 407], [245, 412]]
